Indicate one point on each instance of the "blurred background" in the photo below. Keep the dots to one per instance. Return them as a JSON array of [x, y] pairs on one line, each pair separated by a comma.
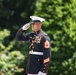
[[60, 25]]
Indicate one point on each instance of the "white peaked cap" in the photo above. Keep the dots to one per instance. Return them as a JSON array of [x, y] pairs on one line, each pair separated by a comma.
[[37, 18]]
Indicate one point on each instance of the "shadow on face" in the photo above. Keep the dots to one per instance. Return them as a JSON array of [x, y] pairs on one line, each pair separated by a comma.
[[36, 26]]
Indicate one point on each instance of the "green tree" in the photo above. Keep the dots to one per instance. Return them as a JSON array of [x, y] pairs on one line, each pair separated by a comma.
[[9, 60], [15, 13], [60, 25]]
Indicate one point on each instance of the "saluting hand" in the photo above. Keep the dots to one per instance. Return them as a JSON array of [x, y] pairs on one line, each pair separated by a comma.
[[26, 26]]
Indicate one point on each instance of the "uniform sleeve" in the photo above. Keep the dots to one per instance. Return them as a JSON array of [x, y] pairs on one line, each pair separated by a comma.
[[46, 53], [21, 35]]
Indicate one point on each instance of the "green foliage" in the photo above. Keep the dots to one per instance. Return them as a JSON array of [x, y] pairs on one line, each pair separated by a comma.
[[60, 25], [9, 60], [15, 13], [70, 64]]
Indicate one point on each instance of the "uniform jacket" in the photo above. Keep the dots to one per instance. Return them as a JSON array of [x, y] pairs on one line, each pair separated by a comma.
[[39, 42]]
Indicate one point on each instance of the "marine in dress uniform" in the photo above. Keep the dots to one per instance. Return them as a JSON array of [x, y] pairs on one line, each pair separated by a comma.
[[39, 54]]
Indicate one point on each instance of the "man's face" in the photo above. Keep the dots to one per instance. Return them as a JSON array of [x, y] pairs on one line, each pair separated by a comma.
[[36, 26]]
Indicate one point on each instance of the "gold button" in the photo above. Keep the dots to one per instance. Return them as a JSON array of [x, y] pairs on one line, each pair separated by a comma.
[[38, 59], [34, 35], [44, 67], [30, 37], [33, 38], [32, 44], [43, 71], [32, 41]]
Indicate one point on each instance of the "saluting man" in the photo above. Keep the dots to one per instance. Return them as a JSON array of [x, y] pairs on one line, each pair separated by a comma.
[[39, 54]]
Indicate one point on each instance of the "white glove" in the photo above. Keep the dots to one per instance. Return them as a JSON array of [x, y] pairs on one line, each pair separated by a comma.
[[26, 26], [41, 73]]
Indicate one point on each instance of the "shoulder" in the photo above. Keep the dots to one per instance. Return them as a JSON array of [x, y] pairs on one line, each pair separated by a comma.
[[45, 36], [43, 33]]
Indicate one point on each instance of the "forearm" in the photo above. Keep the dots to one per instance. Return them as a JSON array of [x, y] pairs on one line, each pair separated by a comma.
[[45, 66], [46, 54], [19, 34]]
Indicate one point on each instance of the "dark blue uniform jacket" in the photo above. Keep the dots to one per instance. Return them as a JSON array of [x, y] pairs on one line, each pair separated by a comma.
[[39, 42]]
